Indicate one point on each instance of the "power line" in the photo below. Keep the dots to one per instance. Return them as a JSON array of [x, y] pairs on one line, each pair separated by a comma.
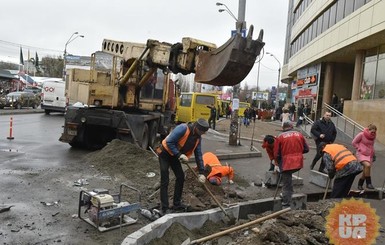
[[27, 46]]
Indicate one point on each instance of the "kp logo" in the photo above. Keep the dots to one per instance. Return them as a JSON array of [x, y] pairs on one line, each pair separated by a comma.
[[352, 222]]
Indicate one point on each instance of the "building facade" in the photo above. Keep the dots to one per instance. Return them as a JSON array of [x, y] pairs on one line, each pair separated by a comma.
[[337, 47]]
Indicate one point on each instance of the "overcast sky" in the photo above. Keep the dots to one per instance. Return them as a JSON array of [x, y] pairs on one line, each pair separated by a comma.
[[44, 26]]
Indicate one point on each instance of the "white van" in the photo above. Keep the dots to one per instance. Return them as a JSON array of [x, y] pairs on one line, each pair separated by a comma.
[[53, 96]]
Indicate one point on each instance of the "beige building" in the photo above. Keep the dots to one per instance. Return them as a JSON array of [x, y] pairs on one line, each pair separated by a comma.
[[337, 46]]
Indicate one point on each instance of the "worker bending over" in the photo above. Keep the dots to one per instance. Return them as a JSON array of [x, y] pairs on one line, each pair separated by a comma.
[[215, 171]]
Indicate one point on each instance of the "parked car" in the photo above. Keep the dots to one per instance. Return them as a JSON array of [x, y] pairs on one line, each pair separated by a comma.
[[35, 90], [19, 100]]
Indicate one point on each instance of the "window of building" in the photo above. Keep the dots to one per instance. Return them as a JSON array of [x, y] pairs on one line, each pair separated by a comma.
[[349, 7], [340, 10], [319, 25], [358, 4], [333, 14], [325, 23], [368, 80], [379, 89]]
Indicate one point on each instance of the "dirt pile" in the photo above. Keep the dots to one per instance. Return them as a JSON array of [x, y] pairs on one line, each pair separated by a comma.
[[128, 163]]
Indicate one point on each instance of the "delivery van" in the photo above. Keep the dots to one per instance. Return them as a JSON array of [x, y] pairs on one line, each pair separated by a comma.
[[192, 106], [53, 97]]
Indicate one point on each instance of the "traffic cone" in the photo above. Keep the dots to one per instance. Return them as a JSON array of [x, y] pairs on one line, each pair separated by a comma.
[[10, 137]]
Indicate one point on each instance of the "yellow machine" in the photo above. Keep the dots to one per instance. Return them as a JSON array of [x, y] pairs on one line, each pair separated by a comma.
[[127, 94]]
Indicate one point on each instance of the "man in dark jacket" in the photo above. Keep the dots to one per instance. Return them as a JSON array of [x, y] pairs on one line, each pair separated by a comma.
[[213, 116], [289, 148], [176, 148], [341, 164], [323, 130]]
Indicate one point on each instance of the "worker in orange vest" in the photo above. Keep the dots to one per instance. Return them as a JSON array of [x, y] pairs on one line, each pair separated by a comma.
[[214, 170]]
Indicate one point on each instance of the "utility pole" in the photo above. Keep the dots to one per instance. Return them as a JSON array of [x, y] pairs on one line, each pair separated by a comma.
[[234, 125]]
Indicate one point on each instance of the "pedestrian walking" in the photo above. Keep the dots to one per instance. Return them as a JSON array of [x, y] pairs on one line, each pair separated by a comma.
[[289, 148], [364, 144], [300, 115], [323, 130], [175, 149], [342, 165], [285, 116], [213, 116]]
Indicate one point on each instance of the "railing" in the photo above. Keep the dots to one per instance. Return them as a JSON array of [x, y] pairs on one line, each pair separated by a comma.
[[344, 123]]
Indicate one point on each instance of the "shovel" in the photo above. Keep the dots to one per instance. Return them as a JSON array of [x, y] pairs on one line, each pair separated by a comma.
[[235, 228], [326, 189], [209, 192]]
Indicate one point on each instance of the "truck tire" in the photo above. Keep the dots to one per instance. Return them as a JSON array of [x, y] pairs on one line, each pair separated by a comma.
[[153, 133], [145, 137], [47, 112]]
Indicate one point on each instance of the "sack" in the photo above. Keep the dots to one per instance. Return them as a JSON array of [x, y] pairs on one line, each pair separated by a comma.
[[301, 118]]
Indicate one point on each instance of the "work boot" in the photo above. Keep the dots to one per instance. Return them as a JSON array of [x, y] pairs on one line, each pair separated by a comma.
[[360, 184], [312, 165], [180, 206], [369, 183]]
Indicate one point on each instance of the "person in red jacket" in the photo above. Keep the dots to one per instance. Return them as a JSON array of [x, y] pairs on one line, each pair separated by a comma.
[[289, 148], [215, 171]]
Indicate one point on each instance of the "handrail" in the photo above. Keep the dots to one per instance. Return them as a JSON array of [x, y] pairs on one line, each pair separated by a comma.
[[347, 120]]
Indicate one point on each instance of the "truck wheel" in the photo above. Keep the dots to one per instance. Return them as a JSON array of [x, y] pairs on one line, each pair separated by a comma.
[[153, 133], [47, 112], [145, 137]]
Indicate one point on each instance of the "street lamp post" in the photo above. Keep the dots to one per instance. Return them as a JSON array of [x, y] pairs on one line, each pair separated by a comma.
[[72, 38], [279, 74], [239, 26]]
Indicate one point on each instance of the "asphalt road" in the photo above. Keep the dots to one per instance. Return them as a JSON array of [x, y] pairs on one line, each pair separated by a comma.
[[35, 168]]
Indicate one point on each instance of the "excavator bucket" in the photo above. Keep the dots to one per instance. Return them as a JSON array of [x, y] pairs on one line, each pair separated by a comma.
[[229, 64]]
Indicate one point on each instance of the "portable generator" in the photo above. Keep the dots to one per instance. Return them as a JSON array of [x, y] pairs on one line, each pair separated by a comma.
[[107, 211]]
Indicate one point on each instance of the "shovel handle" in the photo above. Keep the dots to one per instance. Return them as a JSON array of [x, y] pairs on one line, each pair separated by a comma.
[[239, 227], [208, 191], [326, 189]]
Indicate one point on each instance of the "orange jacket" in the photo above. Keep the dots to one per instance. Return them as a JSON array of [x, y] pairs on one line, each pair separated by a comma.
[[340, 155], [217, 169]]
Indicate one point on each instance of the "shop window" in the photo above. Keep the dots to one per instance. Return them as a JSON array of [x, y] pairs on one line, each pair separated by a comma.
[[368, 80], [379, 89]]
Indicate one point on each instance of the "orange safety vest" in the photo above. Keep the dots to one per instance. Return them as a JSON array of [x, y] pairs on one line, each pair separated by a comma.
[[181, 143], [340, 155], [217, 169]]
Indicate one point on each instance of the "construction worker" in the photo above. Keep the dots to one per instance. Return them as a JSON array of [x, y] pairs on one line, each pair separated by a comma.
[[341, 164], [289, 148], [268, 145], [176, 148], [215, 171]]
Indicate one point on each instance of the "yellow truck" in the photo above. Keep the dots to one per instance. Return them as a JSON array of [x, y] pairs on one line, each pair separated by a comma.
[[126, 93]]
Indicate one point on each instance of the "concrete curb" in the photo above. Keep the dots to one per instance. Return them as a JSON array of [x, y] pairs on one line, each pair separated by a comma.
[[21, 111], [196, 220]]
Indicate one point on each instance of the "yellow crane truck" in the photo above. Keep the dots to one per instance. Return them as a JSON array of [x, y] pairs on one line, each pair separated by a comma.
[[127, 92]]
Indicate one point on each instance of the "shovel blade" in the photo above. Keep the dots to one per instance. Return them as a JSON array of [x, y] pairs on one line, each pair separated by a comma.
[[229, 64]]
